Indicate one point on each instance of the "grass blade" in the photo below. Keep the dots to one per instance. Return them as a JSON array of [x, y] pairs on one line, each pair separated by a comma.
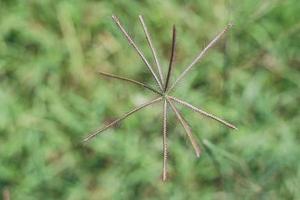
[[200, 55], [148, 37], [131, 42], [186, 128], [198, 110], [96, 132]]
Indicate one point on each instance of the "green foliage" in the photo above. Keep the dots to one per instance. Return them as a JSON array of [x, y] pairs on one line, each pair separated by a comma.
[[51, 97]]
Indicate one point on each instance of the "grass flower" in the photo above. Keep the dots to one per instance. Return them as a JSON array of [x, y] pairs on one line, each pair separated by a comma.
[[163, 90]]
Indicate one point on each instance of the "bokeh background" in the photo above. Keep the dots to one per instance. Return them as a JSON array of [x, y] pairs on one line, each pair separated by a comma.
[[51, 97]]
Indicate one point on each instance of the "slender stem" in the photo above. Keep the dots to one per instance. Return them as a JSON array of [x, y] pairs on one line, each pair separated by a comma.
[[129, 80], [131, 42], [6, 194], [200, 55], [165, 145], [96, 132], [186, 128], [148, 37], [171, 58], [202, 112]]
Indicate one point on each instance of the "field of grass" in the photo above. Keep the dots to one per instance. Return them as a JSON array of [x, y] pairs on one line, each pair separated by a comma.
[[51, 96]]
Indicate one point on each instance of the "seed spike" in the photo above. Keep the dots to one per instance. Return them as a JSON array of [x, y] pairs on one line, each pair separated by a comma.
[[171, 58], [128, 80], [202, 112], [200, 55], [96, 132], [131, 42], [165, 144], [186, 128], [148, 37]]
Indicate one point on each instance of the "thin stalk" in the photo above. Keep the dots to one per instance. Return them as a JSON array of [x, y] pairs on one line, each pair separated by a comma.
[[186, 128], [200, 55], [165, 145], [148, 37], [96, 132], [198, 110], [131, 42], [129, 80], [171, 58], [6, 194]]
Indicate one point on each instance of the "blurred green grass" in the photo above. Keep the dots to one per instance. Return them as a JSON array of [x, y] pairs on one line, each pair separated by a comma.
[[51, 96]]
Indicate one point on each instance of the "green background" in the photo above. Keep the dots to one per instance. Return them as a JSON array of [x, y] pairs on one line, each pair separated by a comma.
[[51, 97]]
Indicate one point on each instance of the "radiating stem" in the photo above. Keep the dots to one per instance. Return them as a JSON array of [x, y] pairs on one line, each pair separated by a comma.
[[171, 58], [202, 112], [96, 132], [148, 37], [129, 80], [165, 145], [131, 42], [186, 128]]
